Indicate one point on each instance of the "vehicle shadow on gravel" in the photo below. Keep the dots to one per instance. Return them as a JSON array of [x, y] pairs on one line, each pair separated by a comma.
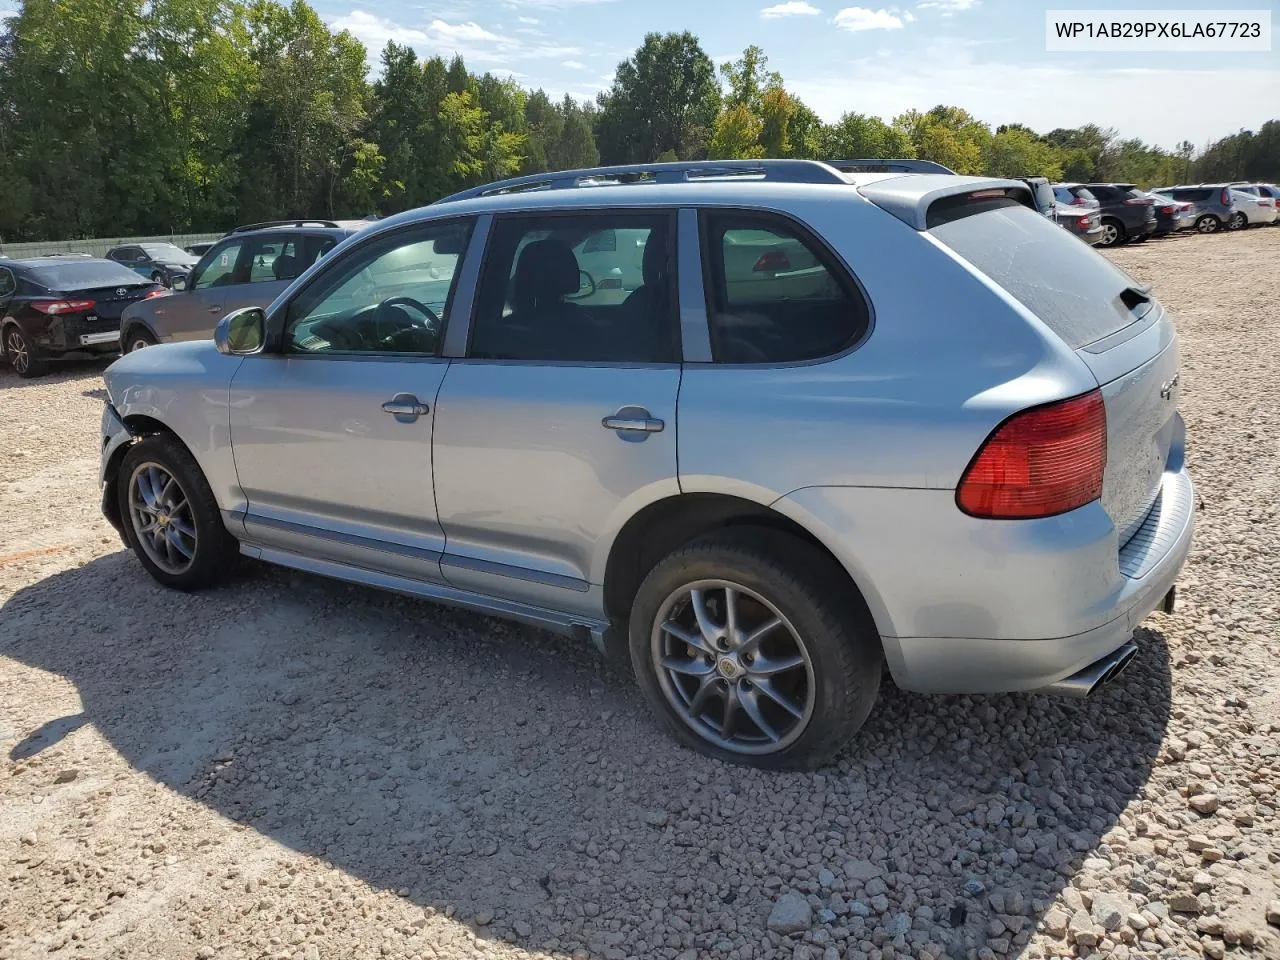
[[482, 768], [61, 370]]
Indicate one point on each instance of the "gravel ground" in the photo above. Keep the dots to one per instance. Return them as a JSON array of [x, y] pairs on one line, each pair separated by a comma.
[[290, 768]]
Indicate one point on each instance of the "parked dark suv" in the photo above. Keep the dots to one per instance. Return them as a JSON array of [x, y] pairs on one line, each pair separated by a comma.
[[54, 305], [1128, 214]]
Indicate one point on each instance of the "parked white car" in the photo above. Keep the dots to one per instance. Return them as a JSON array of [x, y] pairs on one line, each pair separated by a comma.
[[1256, 209]]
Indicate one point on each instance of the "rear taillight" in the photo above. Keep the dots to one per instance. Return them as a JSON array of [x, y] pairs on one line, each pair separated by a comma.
[[1226, 197], [1083, 223], [1079, 201], [56, 307], [772, 262], [157, 292], [1040, 462], [1139, 201], [1168, 209]]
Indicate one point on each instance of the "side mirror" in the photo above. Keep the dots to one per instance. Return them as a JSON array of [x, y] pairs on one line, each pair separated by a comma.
[[179, 283], [241, 332]]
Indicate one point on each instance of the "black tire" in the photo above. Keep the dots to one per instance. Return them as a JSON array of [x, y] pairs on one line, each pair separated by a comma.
[[160, 278], [1141, 239], [1114, 233], [216, 551], [811, 592], [21, 353], [1238, 221], [138, 338], [1208, 224]]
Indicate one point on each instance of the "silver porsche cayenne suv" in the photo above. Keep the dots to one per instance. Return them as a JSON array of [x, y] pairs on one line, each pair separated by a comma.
[[762, 429]]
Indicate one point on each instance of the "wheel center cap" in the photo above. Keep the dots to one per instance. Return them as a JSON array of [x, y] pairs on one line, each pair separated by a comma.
[[728, 667]]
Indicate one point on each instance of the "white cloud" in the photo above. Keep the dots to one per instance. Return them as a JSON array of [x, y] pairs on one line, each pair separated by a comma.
[[860, 18], [909, 17], [374, 31], [573, 64], [948, 7], [462, 32], [792, 8], [531, 21], [1007, 92]]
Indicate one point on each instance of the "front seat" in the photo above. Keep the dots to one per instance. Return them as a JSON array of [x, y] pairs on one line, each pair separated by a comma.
[[541, 323], [646, 313], [284, 267]]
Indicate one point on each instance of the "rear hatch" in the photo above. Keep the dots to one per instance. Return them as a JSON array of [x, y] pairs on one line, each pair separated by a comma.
[[1120, 332]]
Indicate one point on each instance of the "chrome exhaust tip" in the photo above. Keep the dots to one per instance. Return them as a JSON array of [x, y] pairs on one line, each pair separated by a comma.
[[1084, 682]]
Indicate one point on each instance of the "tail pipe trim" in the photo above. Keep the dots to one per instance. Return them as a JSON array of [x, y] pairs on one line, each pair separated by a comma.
[[1086, 681]]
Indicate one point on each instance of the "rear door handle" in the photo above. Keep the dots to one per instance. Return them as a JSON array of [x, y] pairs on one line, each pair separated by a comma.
[[406, 405], [215, 309], [633, 420]]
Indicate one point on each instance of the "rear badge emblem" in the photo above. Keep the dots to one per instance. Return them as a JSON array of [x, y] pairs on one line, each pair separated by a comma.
[[121, 291]]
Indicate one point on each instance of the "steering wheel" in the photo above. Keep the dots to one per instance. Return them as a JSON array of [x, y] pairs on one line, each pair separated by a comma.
[[591, 281], [414, 304]]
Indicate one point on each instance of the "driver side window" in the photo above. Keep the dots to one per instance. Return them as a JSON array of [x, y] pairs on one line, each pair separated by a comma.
[[388, 296]]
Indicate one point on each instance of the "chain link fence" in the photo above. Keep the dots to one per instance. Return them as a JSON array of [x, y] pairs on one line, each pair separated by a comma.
[[99, 247]]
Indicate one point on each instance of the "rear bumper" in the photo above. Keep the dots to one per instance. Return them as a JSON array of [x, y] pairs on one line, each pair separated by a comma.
[[1149, 565], [978, 606]]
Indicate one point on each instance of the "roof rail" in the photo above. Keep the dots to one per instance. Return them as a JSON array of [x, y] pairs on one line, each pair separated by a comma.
[[874, 165], [777, 171], [283, 223]]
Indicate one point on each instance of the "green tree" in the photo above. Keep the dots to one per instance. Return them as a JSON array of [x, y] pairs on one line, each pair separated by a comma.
[[664, 97], [1017, 152], [737, 135], [749, 78], [856, 135]]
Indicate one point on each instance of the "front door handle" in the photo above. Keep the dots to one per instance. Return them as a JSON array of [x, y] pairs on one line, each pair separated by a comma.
[[215, 309], [406, 405], [633, 420]]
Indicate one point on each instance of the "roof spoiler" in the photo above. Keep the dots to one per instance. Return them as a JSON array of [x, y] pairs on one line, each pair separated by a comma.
[[282, 223]]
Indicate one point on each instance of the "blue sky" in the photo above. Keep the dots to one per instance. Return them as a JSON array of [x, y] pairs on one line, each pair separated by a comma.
[[985, 55]]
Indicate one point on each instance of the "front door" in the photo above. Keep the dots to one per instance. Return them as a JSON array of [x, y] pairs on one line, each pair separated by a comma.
[[560, 421], [191, 314], [332, 432]]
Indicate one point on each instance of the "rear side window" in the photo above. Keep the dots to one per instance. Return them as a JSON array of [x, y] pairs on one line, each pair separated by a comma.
[[1193, 196], [774, 294], [274, 257], [581, 288], [1073, 290]]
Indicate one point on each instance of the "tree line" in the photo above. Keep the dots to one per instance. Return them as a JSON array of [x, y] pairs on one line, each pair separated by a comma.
[[135, 117]]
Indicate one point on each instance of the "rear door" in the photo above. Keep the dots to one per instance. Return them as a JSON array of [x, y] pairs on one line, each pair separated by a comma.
[[1112, 323], [561, 419]]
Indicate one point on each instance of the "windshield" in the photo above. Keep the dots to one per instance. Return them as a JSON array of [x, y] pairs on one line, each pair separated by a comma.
[[1075, 291], [82, 274], [165, 251]]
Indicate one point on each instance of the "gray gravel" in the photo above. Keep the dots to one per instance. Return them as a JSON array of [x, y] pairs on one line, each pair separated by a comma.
[[291, 768]]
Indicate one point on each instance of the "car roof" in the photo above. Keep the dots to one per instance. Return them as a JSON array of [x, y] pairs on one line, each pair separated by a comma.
[[54, 258], [339, 228]]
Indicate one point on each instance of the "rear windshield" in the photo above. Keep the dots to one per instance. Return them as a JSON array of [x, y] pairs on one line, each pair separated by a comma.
[[1073, 290], [1192, 195], [82, 274]]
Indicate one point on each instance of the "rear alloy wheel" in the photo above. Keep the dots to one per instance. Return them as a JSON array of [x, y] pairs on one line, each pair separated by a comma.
[[160, 278], [1208, 224], [139, 339], [1238, 221], [21, 354], [749, 649], [1112, 234]]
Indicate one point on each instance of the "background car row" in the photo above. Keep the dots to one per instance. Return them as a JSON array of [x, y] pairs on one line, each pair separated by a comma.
[[1125, 213]]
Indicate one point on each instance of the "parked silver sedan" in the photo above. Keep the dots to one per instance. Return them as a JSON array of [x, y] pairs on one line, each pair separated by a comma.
[[836, 423]]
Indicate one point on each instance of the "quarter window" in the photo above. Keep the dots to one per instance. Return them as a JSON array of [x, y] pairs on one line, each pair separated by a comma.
[[774, 294], [390, 296], [586, 288]]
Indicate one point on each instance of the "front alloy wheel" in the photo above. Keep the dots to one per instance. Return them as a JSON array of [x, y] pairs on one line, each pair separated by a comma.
[[162, 519], [733, 667], [1208, 224]]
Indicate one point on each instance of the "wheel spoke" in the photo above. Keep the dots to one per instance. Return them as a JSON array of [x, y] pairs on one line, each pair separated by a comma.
[[175, 541], [730, 718], [696, 667], [684, 636], [730, 613], [711, 632], [148, 528], [163, 496], [768, 666], [707, 690], [766, 687], [749, 700], [182, 527], [750, 644]]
